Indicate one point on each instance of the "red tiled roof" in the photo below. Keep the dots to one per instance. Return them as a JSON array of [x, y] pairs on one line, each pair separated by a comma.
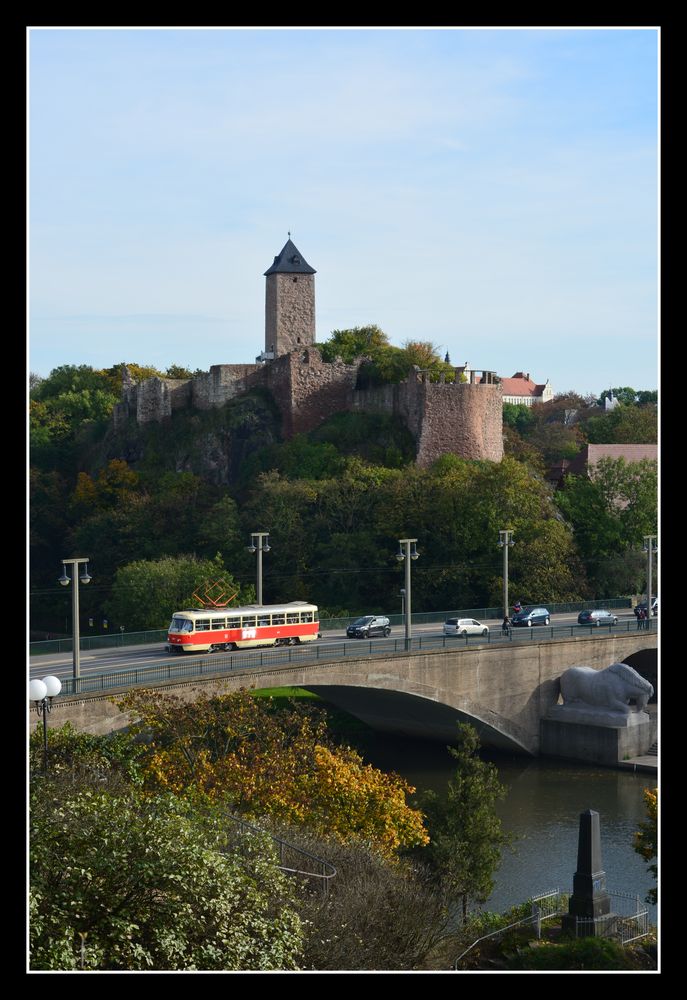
[[519, 385]]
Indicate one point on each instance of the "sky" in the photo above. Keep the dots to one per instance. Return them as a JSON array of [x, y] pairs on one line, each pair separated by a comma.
[[493, 191]]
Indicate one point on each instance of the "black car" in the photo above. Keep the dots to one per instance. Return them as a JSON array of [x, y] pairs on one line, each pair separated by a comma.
[[596, 617], [531, 616], [368, 625]]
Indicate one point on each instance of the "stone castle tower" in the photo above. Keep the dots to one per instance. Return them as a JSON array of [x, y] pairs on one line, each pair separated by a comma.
[[289, 303]]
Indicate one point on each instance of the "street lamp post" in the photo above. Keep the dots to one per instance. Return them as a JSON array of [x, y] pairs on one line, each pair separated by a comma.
[[65, 581], [42, 694], [259, 544], [505, 542], [650, 548], [405, 552]]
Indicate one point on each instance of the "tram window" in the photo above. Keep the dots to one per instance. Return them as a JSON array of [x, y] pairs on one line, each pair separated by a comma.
[[278, 619], [202, 623], [292, 618], [233, 623], [181, 625], [263, 619], [248, 621], [219, 622], [306, 616]]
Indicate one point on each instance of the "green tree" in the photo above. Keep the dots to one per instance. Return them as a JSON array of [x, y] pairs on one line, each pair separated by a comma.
[[146, 593], [65, 408], [624, 425], [133, 882], [624, 394], [518, 416], [610, 512], [466, 835], [359, 341]]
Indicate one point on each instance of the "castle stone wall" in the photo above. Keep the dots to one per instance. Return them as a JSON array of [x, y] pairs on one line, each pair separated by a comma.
[[308, 390], [466, 419], [155, 398], [462, 418], [223, 382]]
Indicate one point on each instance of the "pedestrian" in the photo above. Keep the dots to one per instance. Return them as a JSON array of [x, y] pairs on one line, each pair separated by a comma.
[[638, 616], [505, 628]]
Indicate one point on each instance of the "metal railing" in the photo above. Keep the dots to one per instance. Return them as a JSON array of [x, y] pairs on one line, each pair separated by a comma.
[[182, 667], [628, 921], [118, 639], [546, 905], [322, 877]]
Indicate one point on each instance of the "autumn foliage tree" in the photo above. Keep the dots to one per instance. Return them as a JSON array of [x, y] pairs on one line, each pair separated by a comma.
[[646, 838], [272, 763]]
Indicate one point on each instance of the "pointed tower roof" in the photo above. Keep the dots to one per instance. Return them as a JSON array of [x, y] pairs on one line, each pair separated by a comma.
[[290, 261]]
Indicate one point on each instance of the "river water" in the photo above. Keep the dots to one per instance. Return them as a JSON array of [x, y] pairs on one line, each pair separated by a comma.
[[541, 809]]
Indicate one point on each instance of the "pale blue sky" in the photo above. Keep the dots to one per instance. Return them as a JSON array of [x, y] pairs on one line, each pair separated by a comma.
[[493, 191]]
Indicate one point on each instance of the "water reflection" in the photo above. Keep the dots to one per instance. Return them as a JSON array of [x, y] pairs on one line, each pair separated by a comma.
[[542, 809]]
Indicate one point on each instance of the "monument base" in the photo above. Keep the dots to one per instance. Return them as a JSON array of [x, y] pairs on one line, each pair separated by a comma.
[[596, 742], [579, 927]]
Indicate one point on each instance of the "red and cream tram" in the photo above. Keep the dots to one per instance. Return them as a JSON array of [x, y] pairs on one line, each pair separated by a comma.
[[208, 629]]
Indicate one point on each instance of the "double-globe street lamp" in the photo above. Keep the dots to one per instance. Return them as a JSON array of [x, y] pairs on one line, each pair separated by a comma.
[[505, 542], [65, 581], [259, 544], [41, 693], [406, 552]]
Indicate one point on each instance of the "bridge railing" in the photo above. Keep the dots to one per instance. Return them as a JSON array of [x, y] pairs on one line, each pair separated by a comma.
[[120, 639], [183, 667]]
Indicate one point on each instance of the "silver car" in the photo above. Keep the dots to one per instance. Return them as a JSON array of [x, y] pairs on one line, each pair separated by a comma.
[[464, 626]]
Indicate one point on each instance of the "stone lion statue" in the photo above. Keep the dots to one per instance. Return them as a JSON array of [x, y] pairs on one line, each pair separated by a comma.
[[611, 688]]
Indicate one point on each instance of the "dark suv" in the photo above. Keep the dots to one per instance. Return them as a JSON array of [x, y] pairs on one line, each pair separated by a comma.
[[531, 616], [654, 606], [369, 625]]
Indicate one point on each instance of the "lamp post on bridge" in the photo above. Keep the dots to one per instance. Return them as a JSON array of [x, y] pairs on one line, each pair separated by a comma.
[[405, 552], [259, 544], [65, 581], [505, 542], [650, 548]]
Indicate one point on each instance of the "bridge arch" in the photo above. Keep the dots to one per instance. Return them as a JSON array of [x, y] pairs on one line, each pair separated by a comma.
[[420, 717]]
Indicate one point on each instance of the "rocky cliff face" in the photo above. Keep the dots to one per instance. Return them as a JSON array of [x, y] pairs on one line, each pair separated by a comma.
[[212, 444]]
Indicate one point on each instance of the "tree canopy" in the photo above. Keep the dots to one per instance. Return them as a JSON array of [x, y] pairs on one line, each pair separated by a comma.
[[272, 763], [129, 882]]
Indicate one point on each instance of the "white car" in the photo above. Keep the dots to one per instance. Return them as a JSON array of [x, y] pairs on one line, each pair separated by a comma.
[[464, 626]]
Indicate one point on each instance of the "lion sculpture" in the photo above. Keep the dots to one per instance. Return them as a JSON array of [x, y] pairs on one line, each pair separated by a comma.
[[611, 689]]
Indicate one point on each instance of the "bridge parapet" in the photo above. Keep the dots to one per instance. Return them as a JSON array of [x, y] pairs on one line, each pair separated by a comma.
[[504, 690]]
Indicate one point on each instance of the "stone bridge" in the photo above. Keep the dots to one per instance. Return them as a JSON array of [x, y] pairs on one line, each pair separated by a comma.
[[502, 690]]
